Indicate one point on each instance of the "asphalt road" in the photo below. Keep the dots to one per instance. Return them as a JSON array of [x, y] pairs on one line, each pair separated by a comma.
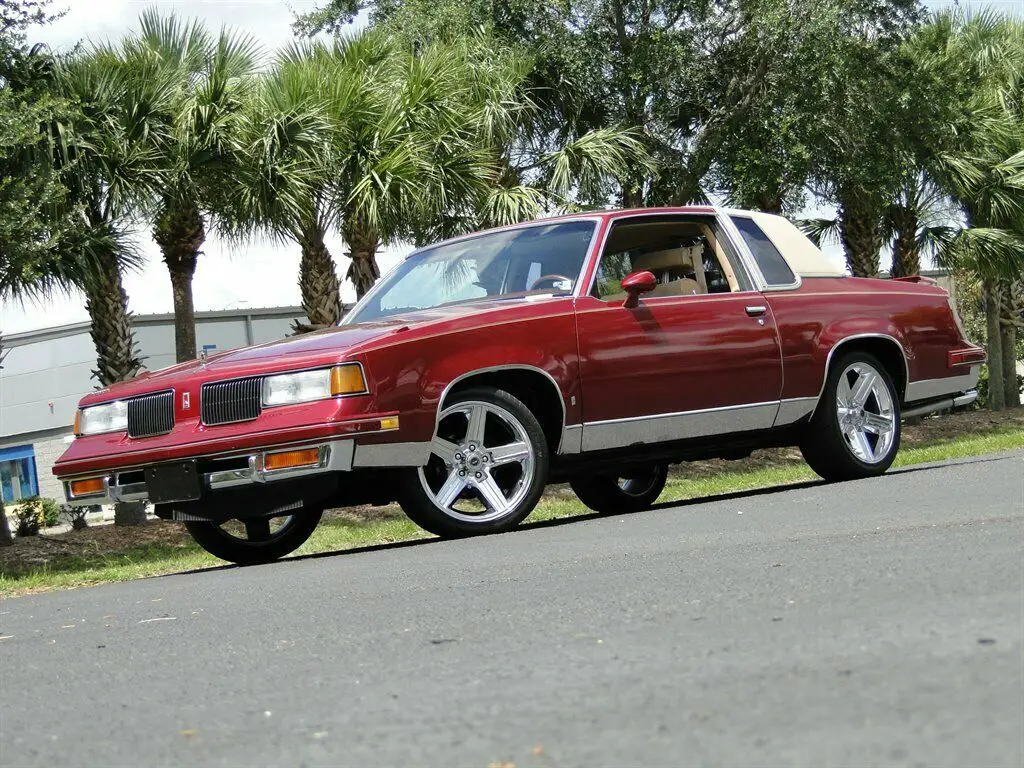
[[875, 622]]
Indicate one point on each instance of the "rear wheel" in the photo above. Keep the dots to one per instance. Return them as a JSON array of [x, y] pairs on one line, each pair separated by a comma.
[[855, 431], [487, 468], [256, 540], [630, 491]]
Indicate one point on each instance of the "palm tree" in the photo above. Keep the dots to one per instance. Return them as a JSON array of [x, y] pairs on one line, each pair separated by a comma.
[[984, 174], [382, 140], [194, 85]]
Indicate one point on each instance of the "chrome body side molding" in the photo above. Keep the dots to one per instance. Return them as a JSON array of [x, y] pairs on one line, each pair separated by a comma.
[[666, 427], [950, 385], [391, 455], [794, 409]]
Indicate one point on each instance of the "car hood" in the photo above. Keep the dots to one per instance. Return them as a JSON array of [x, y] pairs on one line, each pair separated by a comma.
[[322, 347]]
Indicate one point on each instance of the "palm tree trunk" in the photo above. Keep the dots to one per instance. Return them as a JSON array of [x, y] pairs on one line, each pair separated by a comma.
[[860, 232], [180, 233], [111, 331], [110, 325], [1008, 341], [318, 280], [993, 337], [905, 259], [362, 250]]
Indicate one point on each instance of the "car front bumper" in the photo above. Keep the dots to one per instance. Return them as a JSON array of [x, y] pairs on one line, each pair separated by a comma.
[[249, 469]]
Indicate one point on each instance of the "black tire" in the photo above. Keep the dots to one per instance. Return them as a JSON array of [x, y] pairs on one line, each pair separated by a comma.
[[825, 446], [290, 536], [418, 486], [633, 491]]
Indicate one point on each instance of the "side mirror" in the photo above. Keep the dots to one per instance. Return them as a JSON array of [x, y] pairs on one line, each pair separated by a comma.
[[638, 283]]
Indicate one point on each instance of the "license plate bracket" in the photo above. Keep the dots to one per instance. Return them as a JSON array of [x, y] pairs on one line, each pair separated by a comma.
[[173, 482]]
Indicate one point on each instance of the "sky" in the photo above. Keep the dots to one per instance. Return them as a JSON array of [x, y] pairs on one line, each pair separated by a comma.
[[270, 274]]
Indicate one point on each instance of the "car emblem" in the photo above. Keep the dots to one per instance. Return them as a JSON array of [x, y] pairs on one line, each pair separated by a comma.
[[202, 356], [185, 402]]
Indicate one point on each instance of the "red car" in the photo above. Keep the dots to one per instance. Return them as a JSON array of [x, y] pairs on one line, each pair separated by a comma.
[[595, 349]]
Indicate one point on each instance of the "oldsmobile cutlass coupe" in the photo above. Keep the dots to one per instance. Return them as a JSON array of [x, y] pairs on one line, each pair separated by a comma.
[[594, 349]]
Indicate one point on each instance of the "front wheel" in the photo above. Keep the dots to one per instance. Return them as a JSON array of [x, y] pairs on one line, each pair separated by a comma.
[[632, 490], [487, 468], [855, 431], [257, 540]]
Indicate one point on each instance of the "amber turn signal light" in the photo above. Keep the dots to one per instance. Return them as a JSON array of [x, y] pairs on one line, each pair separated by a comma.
[[390, 422], [92, 486], [76, 427], [289, 459], [347, 380]]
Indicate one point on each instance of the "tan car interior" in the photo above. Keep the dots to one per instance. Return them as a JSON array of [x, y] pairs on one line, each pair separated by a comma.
[[674, 252]]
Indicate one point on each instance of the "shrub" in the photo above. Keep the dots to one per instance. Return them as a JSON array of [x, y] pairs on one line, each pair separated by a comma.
[[51, 512], [75, 516], [30, 516]]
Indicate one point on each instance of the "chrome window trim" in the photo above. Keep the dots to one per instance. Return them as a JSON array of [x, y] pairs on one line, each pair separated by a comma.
[[714, 215], [765, 285], [854, 337], [593, 217], [511, 367]]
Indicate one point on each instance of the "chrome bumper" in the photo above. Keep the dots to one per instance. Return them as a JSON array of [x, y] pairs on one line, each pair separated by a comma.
[[335, 456], [940, 405]]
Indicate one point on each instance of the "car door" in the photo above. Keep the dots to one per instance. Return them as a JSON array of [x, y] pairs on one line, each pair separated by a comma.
[[683, 363]]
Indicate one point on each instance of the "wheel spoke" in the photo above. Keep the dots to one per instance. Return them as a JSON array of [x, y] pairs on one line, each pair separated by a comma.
[[863, 445], [843, 392], [477, 420], [450, 491], [862, 388], [258, 529], [506, 454], [444, 449], [492, 495], [877, 424]]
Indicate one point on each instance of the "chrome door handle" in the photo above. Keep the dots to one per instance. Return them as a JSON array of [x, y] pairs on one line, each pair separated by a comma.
[[756, 311]]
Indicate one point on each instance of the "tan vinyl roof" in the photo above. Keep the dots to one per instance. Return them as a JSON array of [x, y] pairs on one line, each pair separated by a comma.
[[803, 256]]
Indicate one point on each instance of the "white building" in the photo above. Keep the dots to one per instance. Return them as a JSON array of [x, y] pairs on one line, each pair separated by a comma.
[[46, 373]]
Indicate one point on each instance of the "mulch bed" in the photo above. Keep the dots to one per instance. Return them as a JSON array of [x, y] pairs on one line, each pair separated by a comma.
[[107, 540]]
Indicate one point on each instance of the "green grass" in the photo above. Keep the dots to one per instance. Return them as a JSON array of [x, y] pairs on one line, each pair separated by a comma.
[[341, 534]]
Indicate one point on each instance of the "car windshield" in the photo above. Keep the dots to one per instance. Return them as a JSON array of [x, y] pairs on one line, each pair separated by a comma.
[[534, 260]]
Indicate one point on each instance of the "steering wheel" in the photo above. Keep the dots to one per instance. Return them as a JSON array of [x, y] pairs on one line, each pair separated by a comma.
[[549, 278]]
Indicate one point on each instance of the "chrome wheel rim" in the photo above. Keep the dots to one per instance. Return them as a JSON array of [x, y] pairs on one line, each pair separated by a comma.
[[481, 465], [866, 413]]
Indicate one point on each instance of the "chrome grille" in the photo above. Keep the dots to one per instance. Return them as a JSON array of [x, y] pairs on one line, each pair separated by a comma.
[[225, 402], [150, 415]]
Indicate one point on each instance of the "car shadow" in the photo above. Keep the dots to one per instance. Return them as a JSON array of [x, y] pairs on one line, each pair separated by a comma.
[[540, 524]]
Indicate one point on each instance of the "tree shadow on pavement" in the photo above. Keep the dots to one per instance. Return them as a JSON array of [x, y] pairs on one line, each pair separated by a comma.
[[540, 524]]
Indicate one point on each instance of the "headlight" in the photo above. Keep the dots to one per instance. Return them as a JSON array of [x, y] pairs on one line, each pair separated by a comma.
[[97, 419], [305, 386]]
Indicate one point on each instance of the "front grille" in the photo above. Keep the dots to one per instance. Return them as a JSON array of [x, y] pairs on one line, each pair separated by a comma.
[[225, 402], [151, 415]]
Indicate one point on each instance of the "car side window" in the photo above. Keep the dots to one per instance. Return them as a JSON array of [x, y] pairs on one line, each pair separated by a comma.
[[771, 263], [686, 256]]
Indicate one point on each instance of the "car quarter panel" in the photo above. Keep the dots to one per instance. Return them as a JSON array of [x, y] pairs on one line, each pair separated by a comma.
[[823, 312]]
